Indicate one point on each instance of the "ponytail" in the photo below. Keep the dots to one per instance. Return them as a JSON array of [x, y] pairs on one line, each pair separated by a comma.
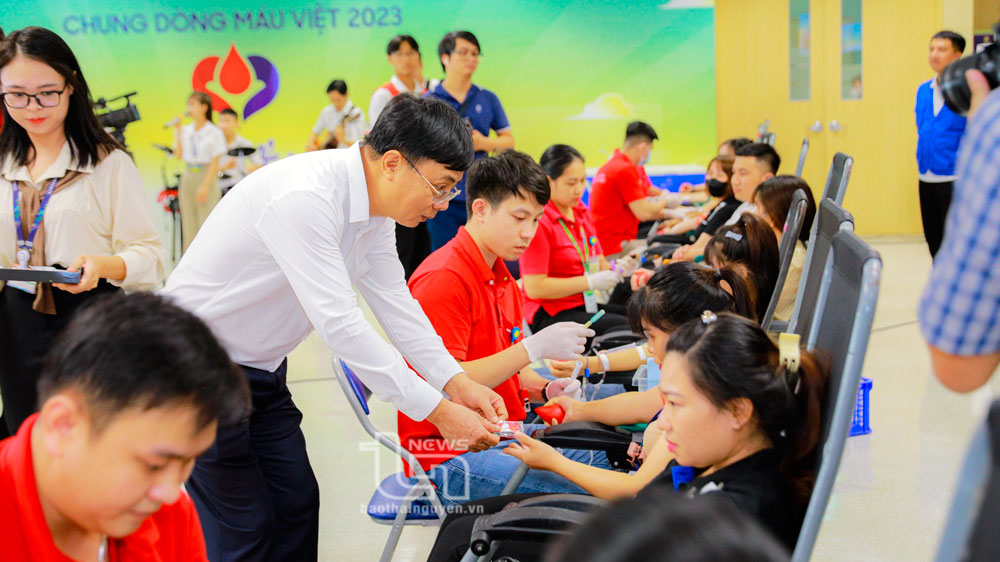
[[731, 358], [803, 433], [752, 243], [680, 291]]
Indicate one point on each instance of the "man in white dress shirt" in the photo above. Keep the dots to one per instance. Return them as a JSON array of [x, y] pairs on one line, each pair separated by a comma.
[[279, 258]]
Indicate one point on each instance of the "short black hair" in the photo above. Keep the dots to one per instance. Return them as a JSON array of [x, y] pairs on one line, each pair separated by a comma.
[[737, 142], [957, 41], [763, 153], [141, 350], [447, 44], [337, 85], [396, 42], [557, 157], [509, 174], [638, 131], [229, 111], [422, 128]]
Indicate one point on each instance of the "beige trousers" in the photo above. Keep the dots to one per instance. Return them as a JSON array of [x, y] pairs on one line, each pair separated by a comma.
[[193, 213]]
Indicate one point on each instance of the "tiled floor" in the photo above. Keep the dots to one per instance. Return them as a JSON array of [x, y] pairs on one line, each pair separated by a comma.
[[891, 496]]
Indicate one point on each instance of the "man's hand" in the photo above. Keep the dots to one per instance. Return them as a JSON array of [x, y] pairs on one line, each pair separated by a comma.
[[480, 142], [466, 392], [462, 428], [979, 87]]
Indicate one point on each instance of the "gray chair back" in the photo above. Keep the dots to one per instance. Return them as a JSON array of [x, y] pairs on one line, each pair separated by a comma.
[[830, 219], [836, 180], [968, 501], [842, 330], [802, 157], [789, 236]]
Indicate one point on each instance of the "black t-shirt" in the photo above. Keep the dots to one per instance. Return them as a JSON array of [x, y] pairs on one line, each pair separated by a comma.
[[719, 215], [754, 485]]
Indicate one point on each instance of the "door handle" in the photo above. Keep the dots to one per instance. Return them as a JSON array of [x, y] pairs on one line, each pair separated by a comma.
[[816, 127], [835, 126]]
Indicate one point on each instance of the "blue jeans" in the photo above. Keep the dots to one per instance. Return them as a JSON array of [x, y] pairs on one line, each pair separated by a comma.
[[474, 476]]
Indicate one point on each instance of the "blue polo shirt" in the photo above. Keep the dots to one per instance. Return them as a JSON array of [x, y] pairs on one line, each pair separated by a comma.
[[483, 111]]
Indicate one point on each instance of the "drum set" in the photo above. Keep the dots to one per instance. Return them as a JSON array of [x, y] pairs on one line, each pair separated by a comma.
[[170, 201]]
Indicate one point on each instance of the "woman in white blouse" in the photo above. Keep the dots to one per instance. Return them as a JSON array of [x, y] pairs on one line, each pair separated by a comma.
[[199, 144], [57, 165]]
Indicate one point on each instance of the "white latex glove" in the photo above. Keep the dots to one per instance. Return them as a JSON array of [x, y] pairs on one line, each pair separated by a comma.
[[603, 280], [563, 387], [563, 341], [626, 265]]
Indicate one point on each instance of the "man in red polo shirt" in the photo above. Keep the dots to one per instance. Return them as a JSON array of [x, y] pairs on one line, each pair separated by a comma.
[[474, 304], [131, 393], [619, 194]]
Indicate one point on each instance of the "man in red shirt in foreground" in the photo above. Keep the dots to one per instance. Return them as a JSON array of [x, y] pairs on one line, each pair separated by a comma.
[[130, 394], [619, 196]]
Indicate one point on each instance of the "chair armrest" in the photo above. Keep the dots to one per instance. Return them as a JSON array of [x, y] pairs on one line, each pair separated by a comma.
[[528, 523]]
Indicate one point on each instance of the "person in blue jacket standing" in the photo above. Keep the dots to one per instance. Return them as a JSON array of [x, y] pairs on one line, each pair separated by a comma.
[[939, 131]]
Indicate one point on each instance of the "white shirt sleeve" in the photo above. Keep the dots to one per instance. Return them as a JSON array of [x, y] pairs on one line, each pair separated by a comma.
[[134, 238], [302, 231], [378, 102], [215, 144], [402, 318], [321, 122]]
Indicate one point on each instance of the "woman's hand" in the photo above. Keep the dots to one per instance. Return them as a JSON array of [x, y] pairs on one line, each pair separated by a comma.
[[92, 268], [202, 195], [533, 452], [680, 253], [569, 406]]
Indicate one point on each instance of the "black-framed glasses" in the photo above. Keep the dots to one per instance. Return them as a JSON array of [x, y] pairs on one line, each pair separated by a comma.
[[440, 195], [21, 100]]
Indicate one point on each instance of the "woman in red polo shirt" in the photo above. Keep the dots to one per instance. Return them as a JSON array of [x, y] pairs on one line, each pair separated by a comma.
[[564, 266]]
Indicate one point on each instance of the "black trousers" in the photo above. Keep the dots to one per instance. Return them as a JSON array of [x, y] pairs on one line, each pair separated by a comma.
[[413, 245], [25, 337], [935, 199], [254, 489], [453, 539], [607, 323]]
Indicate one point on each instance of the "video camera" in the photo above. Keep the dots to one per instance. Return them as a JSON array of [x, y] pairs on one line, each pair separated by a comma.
[[115, 120], [955, 89]]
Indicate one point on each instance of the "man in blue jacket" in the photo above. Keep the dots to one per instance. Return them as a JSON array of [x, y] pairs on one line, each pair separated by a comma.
[[939, 130]]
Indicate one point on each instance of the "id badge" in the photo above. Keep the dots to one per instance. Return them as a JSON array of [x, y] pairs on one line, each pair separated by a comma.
[[590, 302]]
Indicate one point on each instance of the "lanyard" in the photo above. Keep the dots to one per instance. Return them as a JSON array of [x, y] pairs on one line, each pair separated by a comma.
[[24, 246], [585, 254]]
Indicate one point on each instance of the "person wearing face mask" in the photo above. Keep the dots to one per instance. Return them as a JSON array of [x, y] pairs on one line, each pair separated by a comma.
[[282, 256], [565, 263], [474, 304], [717, 178], [131, 393], [620, 193], [70, 197], [754, 164]]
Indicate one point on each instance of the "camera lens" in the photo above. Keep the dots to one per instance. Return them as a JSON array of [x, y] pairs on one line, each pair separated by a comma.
[[955, 89]]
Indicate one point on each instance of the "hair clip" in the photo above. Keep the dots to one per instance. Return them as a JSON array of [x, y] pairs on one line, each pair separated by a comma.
[[708, 317], [734, 235], [789, 357]]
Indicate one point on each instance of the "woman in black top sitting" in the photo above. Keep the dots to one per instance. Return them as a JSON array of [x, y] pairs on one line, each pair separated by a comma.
[[736, 424], [717, 179]]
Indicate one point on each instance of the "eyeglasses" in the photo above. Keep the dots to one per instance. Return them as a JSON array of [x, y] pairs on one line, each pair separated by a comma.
[[440, 195], [466, 53], [21, 100]]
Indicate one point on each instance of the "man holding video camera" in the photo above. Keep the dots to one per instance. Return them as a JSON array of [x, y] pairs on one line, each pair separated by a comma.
[[961, 302]]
